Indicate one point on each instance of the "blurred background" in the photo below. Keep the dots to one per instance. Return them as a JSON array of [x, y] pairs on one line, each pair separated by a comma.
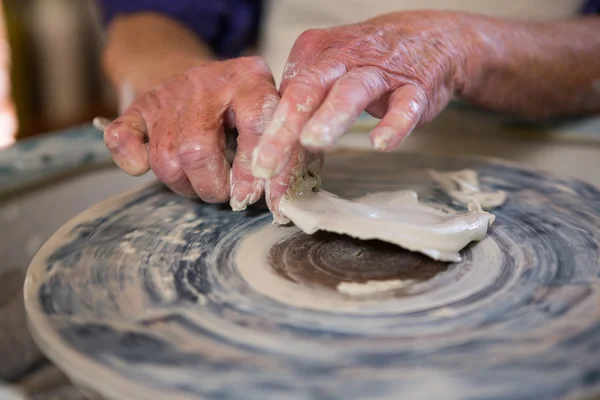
[[50, 67]]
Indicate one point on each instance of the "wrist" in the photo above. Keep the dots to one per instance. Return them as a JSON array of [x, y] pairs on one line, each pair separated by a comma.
[[483, 51], [500, 51]]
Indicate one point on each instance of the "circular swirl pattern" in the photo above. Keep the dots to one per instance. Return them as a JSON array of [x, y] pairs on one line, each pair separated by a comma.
[[153, 295]]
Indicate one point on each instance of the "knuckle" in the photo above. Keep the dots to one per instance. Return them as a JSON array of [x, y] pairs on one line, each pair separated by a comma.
[[309, 78], [418, 103], [253, 125], [319, 76], [165, 166], [195, 156], [421, 94], [309, 36], [370, 81], [253, 72], [255, 62], [254, 115]]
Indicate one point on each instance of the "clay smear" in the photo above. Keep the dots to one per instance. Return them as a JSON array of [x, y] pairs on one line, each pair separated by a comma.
[[463, 186], [394, 217], [371, 287]]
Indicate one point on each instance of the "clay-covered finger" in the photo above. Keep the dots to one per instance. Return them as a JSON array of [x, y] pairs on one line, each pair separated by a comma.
[[125, 138], [302, 166], [405, 109], [200, 150], [348, 97], [277, 187], [303, 94], [253, 105], [164, 160]]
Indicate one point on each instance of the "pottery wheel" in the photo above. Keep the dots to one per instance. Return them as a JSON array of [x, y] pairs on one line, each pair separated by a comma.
[[152, 295]]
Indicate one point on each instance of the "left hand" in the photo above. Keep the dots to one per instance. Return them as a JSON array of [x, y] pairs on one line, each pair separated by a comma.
[[402, 67]]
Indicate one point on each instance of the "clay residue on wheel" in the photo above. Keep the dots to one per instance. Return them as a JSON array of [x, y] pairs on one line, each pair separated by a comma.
[[394, 217], [371, 287], [463, 186]]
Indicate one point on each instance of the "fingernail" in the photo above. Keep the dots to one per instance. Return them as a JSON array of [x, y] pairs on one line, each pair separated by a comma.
[[388, 139], [133, 167], [130, 165], [241, 193], [264, 161], [382, 140]]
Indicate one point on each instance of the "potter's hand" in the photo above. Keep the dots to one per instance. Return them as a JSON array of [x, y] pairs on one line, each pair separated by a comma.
[[177, 130], [403, 67]]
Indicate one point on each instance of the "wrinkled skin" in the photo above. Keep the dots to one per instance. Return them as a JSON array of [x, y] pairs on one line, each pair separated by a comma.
[[332, 75], [402, 67], [177, 130]]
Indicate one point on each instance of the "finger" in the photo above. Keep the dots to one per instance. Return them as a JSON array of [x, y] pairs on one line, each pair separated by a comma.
[[200, 150], [303, 95], [302, 165], [254, 106], [277, 187], [348, 97], [405, 109], [164, 159], [125, 138]]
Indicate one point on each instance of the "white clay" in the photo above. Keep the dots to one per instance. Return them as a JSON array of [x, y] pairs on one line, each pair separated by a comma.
[[394, 217], [463, 186], [371, 287]]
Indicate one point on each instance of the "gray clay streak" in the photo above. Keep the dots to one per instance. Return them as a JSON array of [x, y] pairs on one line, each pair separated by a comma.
[[157, 296]]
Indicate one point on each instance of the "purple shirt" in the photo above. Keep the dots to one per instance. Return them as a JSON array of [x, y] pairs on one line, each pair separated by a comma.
[[227, 26]]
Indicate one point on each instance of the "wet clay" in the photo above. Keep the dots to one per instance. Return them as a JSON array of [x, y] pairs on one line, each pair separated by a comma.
[[397, 217], [371, 287], [463, 186]]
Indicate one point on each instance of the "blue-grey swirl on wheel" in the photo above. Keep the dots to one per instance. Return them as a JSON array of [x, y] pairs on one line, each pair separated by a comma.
[[154, 295]]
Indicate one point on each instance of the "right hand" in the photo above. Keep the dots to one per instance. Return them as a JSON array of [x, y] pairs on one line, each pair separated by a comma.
[[177, 130]]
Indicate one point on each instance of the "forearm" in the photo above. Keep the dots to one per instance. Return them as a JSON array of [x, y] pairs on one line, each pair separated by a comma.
[[143, 49], [536, 70]]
